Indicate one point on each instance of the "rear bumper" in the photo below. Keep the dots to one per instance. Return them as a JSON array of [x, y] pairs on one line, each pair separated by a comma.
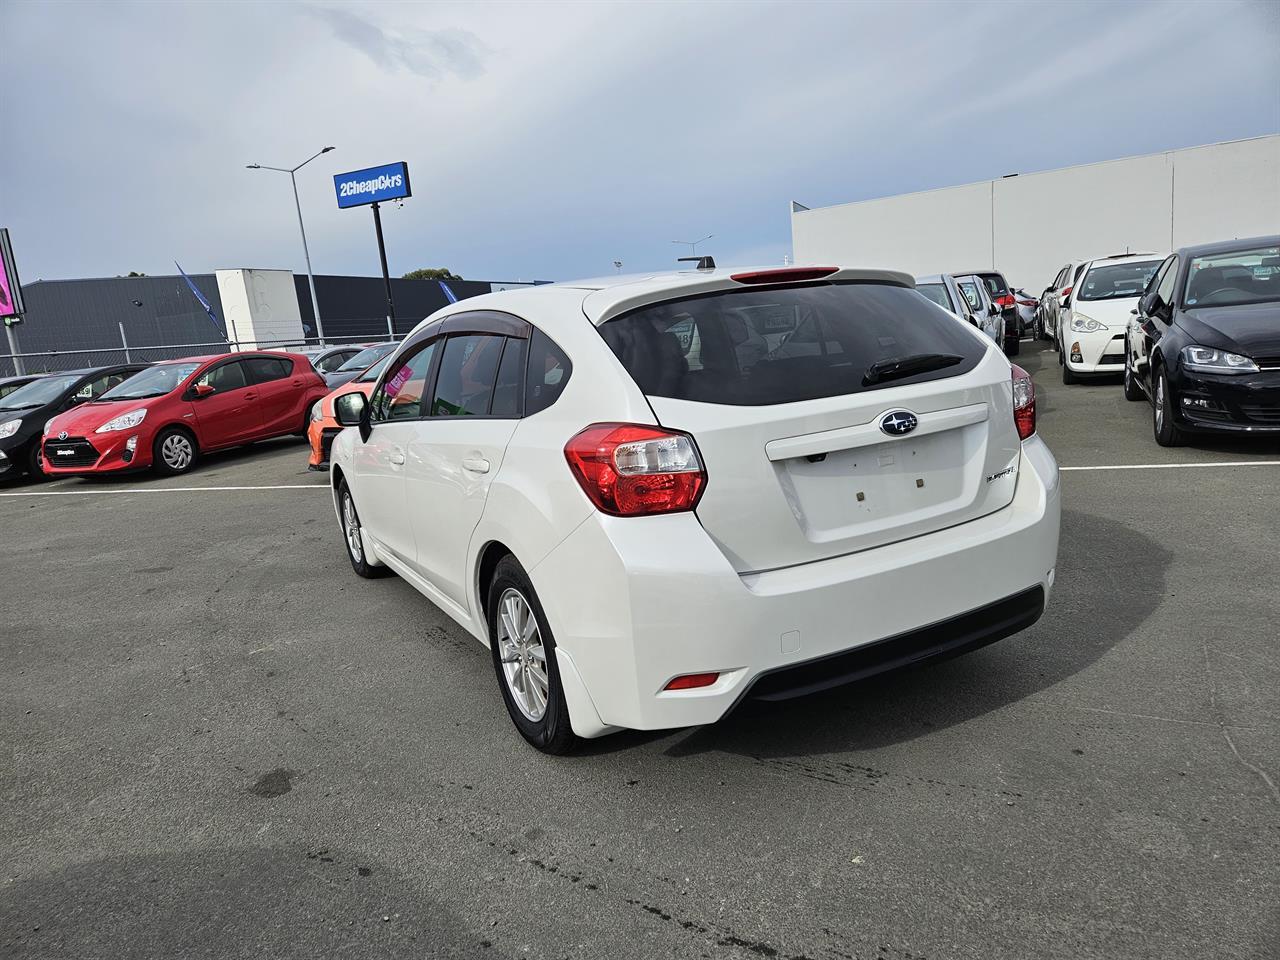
[[634, 603], [1100, 353]]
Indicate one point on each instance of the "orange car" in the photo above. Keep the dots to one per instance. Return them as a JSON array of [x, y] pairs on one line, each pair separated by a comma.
[[323, 426]]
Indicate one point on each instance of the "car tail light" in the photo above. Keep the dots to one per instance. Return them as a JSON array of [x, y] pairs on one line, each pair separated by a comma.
[[691, 681], [1024, 402], [784, 275], [1004, 300], [629, 470]]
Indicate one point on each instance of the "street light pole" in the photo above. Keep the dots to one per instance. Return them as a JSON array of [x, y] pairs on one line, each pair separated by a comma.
[[311, 280], [693, 244]]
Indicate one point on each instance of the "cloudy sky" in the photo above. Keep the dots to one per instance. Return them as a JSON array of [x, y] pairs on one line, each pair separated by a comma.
[[546, 140]]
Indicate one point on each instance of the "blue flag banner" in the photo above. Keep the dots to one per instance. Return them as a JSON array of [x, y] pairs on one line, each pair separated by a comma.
[[449, 294], [204, 302]]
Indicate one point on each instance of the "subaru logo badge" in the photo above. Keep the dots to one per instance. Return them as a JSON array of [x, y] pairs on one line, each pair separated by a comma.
[[62, 435], [898, 423]]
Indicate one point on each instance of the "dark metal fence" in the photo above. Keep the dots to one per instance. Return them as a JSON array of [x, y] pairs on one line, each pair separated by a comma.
[[52, 361]]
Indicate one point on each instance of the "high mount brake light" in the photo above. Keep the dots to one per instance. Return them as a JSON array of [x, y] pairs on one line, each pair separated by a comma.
[[784, 275], [1024, 402], [631, 470]]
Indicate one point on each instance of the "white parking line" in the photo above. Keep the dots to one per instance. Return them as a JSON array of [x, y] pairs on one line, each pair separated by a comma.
[[1175, 466], [131, 490]]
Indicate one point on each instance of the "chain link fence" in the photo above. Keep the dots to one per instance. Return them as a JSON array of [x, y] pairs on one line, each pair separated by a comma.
[[54, 361]]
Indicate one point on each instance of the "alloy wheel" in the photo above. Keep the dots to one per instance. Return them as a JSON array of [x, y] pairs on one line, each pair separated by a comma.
[[1160, 404], [177, 452], [351, 526], [523, 655]]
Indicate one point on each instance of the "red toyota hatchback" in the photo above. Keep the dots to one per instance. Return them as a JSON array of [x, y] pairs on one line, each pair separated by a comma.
[[169, 414]]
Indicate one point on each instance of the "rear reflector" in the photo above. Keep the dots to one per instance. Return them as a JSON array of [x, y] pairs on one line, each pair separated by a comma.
[[630, 470], [784, 275], [691, 681], [1024, 402]]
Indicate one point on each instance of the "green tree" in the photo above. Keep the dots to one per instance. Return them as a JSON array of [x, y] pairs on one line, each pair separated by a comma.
[[431, 273]]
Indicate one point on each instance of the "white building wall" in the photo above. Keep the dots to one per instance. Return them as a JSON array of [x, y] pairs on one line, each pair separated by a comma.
[[1029, 226], [261, 307]]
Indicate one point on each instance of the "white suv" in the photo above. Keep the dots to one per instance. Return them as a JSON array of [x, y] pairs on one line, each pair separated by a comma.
[[653, 497]]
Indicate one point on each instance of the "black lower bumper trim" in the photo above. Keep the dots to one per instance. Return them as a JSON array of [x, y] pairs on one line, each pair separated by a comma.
[[938, 641]]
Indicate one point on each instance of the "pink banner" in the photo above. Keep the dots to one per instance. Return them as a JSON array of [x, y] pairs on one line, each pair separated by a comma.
[[6, 293]]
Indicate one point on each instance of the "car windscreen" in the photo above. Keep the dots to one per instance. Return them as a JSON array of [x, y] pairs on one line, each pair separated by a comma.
[[1115, 281], [39, 392], [152, 382], [786, 344], [937, 293], [1224, 279], [374, 372], [366, 357]]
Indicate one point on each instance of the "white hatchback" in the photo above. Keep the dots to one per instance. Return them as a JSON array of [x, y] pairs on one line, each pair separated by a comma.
[[652, 497], [1092, 323]]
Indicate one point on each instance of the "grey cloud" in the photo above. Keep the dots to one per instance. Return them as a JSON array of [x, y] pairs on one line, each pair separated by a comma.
[[431, 54]]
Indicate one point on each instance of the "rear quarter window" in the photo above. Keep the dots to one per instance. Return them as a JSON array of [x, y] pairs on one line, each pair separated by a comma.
[[785, 344]]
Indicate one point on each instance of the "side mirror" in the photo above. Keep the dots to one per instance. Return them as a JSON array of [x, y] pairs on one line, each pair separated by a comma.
[[202, 390], [973, 319], [350, 408]]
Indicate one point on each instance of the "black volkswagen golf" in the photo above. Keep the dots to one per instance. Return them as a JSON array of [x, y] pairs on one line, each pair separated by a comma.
[[24, 412], [1203, 344]]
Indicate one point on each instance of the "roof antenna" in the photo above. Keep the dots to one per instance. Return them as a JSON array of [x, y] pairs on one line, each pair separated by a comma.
[[703, 263]]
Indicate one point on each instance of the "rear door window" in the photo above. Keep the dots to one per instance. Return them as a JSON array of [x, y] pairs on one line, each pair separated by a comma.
[[468, 373], [937, 293], [266, 369], [844, 338]]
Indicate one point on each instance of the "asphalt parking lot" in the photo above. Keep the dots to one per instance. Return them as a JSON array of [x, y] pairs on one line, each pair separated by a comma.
[[219, 742]]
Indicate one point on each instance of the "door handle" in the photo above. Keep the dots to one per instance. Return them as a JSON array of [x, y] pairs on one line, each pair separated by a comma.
[[475, 464], [251, 396], [396, 456]]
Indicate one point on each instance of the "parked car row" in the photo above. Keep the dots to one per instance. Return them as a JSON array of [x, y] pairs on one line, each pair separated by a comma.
[[1195, 332], [982, 298], [163, 416]]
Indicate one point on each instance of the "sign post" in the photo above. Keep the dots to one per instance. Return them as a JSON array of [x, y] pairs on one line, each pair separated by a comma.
[[371, 186], [12, 306]]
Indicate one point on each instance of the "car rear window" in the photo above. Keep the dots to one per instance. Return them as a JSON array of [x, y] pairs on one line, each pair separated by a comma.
[[785, 344], [937, 293]]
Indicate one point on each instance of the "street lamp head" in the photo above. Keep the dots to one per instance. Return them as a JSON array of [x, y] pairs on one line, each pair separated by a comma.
[[253, 166], [327, 149]]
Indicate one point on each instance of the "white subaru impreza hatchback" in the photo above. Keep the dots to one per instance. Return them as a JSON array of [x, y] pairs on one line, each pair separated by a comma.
[[652, 497]]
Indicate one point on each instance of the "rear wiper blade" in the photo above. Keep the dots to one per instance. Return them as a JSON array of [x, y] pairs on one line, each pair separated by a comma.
[[893, 368]]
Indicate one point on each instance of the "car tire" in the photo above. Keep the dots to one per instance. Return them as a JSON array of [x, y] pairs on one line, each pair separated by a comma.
[[173, 452], [1012, 346], [35, 463], [534, 698], [349, 520], [1132, 391], [1068, 375], [1166, 431]]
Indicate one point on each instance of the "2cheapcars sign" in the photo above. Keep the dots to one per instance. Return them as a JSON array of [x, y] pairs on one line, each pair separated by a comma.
[[372, 185]]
